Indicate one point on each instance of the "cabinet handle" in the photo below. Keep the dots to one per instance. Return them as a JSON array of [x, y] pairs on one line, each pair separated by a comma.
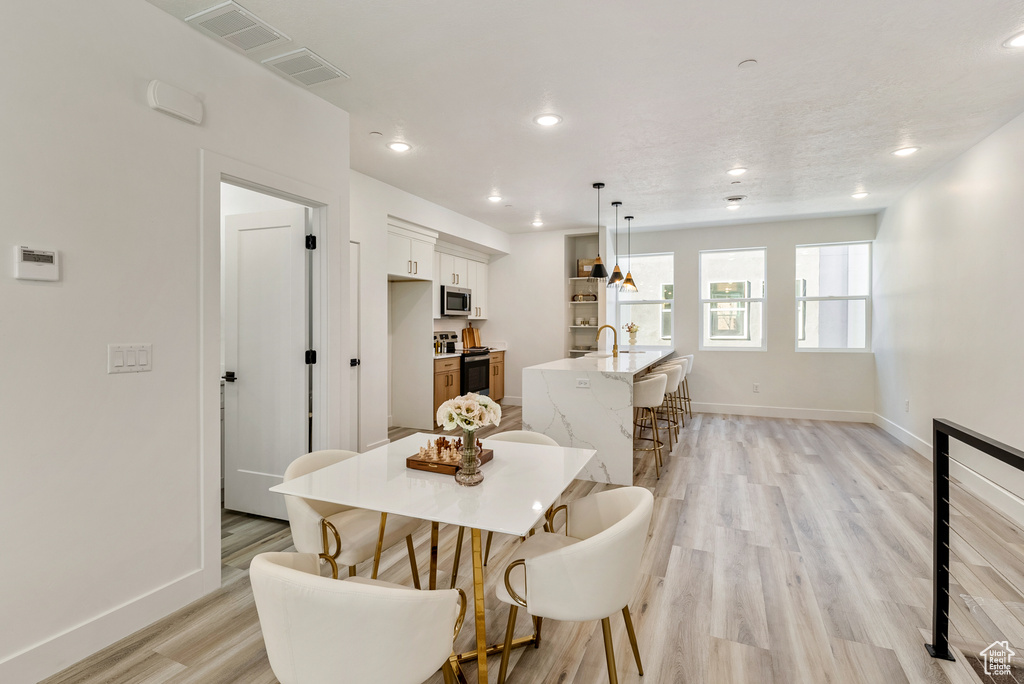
[[416, 267], [408, 268]]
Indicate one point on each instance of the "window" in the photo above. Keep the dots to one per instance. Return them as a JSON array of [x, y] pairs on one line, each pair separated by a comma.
[[650, 307], [833, 296], [732, 293]]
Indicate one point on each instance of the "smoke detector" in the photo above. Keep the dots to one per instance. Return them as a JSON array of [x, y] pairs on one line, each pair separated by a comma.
[[232, 24], [306, 67]]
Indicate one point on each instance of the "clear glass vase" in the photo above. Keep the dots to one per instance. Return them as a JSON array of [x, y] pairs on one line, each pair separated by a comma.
[[469, 466]]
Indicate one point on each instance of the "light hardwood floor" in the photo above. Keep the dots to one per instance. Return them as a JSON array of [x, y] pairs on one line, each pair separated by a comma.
[[781, 551]]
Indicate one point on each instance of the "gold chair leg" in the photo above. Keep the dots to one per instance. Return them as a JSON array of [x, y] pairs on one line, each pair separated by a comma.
[[513, 610], [380, 544], [432, 576], [487, 548], [458, 555], [351, 571], [537, 622], [632, 639], [609, 650], [657, 450], [446, 672], [412, 561]]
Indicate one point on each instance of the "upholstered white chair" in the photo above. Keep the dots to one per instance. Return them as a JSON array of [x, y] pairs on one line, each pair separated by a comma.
[[589, 573], [522, 437], [319, 630], [648, 395], [343, 535], [672, 406]]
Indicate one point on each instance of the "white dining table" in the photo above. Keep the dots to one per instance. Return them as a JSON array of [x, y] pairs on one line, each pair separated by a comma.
[[520, 484]]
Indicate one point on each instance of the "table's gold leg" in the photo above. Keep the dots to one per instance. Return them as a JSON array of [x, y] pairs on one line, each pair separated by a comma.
[[432, 581], [478, 606]]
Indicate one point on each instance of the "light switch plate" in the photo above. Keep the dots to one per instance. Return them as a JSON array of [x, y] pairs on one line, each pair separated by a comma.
[[119, 355]]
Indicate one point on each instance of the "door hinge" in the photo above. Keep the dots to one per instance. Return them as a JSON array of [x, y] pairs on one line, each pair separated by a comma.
[[311, 242], [310, 357], [354, 362]]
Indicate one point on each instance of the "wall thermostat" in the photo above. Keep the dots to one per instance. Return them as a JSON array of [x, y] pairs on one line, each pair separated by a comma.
[[36, 264]]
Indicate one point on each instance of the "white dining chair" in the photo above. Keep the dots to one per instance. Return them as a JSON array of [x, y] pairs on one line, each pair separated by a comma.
[[521, 437], [319, 630], [343, 535], [589, 573]]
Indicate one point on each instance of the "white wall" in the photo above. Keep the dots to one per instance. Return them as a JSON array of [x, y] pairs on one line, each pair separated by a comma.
[[100, 497], [833, 386], [372, 203], [947, 330]]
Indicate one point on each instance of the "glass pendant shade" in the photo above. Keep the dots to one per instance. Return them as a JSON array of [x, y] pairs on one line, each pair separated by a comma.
[[616, 277], [628, 285]]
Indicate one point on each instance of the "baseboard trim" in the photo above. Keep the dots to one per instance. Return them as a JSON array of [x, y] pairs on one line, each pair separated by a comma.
[[904, 435], [784, 412], [59, 652], [512, 401]]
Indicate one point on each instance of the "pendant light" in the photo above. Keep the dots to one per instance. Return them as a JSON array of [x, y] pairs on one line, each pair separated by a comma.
[[628, 285], [599, 272], [616, 276]]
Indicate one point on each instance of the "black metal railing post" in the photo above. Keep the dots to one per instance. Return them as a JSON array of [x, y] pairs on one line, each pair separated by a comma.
[[939, 648]]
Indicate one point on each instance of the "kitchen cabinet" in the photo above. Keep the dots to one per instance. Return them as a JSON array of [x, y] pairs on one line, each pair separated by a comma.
[[478, 284], [454, 270], [410, 258], [497, 375], [447, 377]]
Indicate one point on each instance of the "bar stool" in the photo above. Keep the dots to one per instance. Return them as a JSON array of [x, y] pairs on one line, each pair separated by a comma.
[[672, 406], [649, 394], [683, 393], [686, 384]]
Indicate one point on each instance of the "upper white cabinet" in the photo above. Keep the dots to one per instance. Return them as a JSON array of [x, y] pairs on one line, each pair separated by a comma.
[[410, 254], [458, 267], [478, 284]]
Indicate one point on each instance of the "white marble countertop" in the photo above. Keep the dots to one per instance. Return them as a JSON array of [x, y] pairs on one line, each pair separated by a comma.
[[629, 362]]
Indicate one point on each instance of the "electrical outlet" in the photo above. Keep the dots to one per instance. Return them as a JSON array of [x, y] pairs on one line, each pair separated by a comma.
[[906, 405], [757, 387], [582, 383]]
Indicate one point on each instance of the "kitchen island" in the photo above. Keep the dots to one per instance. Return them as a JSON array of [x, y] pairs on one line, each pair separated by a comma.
[[587, 402]]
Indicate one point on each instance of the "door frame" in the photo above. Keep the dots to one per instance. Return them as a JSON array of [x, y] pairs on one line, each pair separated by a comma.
[[329, 218]]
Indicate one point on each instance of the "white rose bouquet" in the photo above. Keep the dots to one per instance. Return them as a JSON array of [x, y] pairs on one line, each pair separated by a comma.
[[469, 412]]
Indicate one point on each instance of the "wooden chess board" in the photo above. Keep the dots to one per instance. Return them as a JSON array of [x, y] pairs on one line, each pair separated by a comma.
[[442, 456]]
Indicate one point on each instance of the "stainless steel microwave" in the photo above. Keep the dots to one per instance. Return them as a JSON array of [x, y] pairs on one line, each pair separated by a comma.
[[455, 301]]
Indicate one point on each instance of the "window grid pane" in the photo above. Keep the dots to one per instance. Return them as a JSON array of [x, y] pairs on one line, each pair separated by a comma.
[[732, 291]]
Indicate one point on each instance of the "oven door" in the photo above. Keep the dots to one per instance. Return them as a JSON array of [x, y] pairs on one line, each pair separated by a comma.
[[475, 374]]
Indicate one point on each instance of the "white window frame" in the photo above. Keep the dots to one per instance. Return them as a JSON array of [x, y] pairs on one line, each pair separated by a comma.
[[866, 349], [619, 303], [763, 300]]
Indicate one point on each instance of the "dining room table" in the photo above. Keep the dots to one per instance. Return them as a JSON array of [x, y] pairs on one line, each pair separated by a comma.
[[521, 483]]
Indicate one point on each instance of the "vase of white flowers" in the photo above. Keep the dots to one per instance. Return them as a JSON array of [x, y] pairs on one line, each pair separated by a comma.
[[631, 328], [469, 413]]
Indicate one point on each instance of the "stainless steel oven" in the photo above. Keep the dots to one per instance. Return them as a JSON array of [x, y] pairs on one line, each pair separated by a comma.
[[455, 301], [475, 370]]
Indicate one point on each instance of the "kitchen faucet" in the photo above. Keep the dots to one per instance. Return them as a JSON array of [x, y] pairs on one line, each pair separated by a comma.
[[615, 338]]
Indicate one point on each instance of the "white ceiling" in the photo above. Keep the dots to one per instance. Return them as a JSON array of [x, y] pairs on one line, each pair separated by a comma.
[[653, 102]]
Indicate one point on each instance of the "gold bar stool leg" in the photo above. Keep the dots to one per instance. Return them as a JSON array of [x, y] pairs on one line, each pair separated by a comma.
[[380, 543], [351, 571], [537, 622], [513, 610], [609, 650], [478, 606], [657, 449], [432, 577], [632, 639], [458, 555], [412, 561], [487, 549]]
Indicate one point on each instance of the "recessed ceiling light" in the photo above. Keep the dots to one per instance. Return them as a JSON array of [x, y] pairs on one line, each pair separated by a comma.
[[538, 223], [547, 119], [906, 151], [737, 172], [399, 146], [733, 207], [1015, 41], [859, 195], [495, 198]]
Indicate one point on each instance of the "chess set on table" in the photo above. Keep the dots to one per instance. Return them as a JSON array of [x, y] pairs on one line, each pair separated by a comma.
[[442, 455]]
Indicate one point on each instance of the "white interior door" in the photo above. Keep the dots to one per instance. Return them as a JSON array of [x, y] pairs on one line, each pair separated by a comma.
[[266, 407], [353, 344]]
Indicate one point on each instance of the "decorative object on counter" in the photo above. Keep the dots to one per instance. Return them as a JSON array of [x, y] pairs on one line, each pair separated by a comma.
[[616, 276], [632, 329], [598, 272], [628, 285], [469, 412], [584, 297], [444, 456], [584, 267]]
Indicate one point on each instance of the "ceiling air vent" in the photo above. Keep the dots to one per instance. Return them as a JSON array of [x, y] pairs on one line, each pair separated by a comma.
[[229, 22], [306, 67]]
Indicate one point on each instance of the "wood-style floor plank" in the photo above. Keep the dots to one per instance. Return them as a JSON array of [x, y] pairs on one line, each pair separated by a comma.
[[780, 551]]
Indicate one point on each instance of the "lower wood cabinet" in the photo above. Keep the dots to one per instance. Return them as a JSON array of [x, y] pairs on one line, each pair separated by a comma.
[[497, 375], [446, 381]]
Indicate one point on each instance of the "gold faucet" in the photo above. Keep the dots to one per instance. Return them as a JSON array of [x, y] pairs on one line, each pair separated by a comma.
[[615, 338]]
